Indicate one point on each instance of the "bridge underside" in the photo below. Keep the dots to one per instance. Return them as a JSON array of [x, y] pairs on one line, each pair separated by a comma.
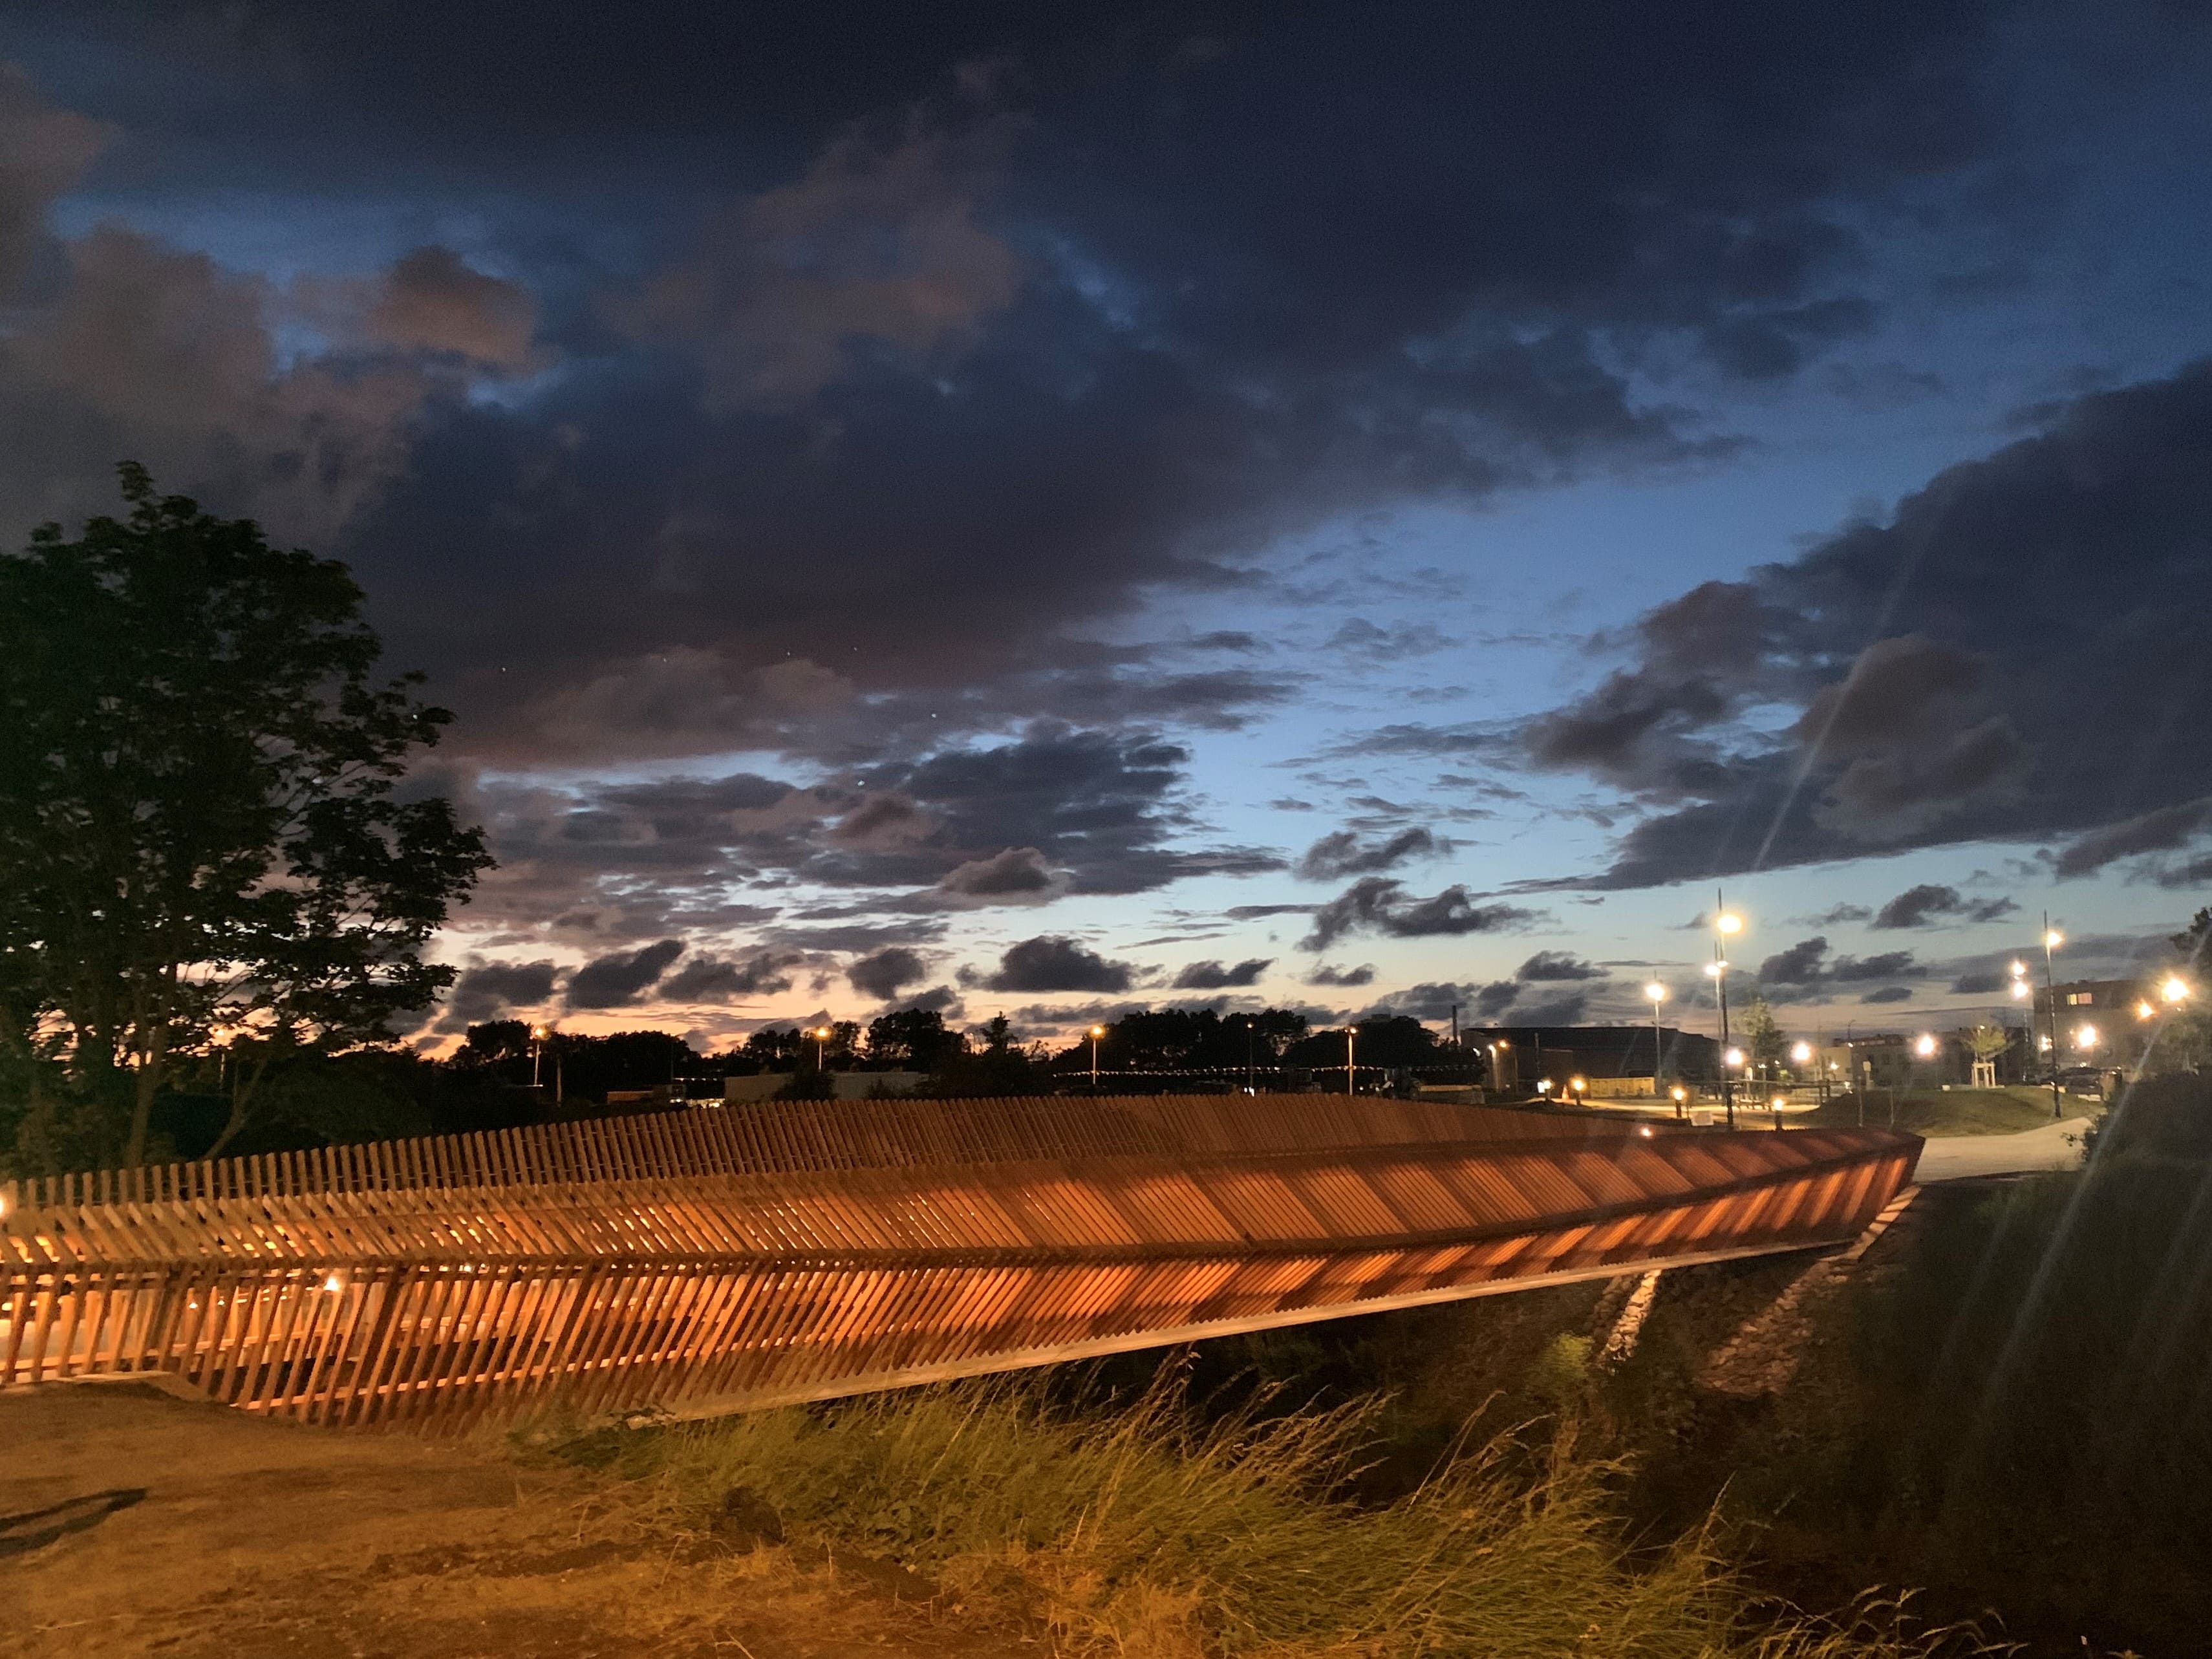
[[726, 1258]]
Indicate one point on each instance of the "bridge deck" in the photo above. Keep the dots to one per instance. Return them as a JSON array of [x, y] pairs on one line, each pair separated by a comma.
[[727, 1257]]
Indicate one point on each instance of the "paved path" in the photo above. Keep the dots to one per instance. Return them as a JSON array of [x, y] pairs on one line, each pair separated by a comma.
[[2053, 1146]]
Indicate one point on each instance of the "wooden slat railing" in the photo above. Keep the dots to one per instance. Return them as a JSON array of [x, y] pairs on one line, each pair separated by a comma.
[[714, 1259]]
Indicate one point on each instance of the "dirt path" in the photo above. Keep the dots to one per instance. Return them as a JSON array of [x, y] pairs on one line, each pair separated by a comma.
[[134, 1524]]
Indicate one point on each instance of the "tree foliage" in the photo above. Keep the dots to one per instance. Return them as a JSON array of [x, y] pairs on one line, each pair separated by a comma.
[[201, 835]]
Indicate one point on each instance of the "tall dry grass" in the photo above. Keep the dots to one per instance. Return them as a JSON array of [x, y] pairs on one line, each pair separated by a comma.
[[1139, 1531]]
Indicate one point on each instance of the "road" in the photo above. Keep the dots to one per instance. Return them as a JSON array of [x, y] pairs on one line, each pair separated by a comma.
[[2054, 1146]]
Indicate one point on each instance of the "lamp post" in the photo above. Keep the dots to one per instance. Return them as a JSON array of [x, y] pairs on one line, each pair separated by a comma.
[[1349, 1088], [2052, 939], [1097, 1032], [537, 1054], [822, 1047], [1801, 1056], [1657, 992], [1725, 924]]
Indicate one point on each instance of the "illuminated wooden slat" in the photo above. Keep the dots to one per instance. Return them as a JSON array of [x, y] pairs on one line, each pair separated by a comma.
[[734, 1256]]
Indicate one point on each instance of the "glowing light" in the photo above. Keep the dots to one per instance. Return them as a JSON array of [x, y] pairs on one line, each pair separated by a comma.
[[1098, 1031], [1924, 1046], [1775, 1102], [1682, 1094], [334, 1284], [1646, 1130], [1801, 1052], [2019, 990], [2174, 990], [2085, 1037], [1713, 969], [538, 1033], [1733, 1057], [2053, 939], [2144, 1011], [1729, 923], [1656, 991], [2019, 970], [1579, 1084], [1543, 1085]]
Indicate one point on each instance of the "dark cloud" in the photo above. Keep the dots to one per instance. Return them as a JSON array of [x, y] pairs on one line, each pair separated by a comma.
[[1837, 914], [2160, 831], [2035, 694], [1890, 965], [1547, 965], [763, 971], [1348, 977], [1889, 993], [612, 982], [1213, 976], [865, 340], [489, 990], [1343, 853], [884, 973], [1054, 963], [1019, 875], [1921, 906], [1379, 904], [1802, 964], [1978, 982]]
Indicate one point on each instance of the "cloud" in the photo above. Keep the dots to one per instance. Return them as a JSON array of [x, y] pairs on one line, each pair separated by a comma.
[[763, 971], [1889, 993], [1978, 982], [615, 981], [2163, 830], [46, 151], [1213, 976], [1802, 964], [1018, 875], [1834, 916], [1051, 963], [1919, 907], [1342, 853], [2014, 707], [1379, 904], [1890, 965], [490, 990], [1348, 977], [1547, 965], [883, 974]]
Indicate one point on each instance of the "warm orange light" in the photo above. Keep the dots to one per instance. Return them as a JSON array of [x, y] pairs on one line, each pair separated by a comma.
[[1924, 1046], [1656, 991], [1098, 1031], [2175, 990]]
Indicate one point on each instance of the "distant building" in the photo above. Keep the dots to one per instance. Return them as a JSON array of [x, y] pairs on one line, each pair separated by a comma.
[[849, 1086], [1521, 1055], [2098, 1018]]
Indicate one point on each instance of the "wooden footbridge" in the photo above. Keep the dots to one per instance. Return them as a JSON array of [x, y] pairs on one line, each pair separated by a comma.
[[723, 1258]]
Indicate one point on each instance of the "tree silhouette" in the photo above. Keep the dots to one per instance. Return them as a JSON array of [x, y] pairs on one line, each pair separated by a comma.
[[200, 837]]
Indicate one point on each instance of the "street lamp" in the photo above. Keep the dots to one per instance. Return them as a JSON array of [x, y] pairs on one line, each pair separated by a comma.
[[1657, 992], [1350, 1087], [2176, 989], [2086, 1038], [1731, 1059], [1096, 1031], [2052, 939], [1924, 1046], [1580, 1086], [821, 1048], [1680, 1095], [1726, 925], [536, 1053]]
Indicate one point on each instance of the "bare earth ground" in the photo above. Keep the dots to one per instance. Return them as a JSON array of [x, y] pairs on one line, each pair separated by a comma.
[[255, 1539]]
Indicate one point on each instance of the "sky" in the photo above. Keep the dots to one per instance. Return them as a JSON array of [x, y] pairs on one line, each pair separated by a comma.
[[1052, 510]]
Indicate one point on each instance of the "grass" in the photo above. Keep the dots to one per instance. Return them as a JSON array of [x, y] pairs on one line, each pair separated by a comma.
[[1952, 1112], [1139, 1530]]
